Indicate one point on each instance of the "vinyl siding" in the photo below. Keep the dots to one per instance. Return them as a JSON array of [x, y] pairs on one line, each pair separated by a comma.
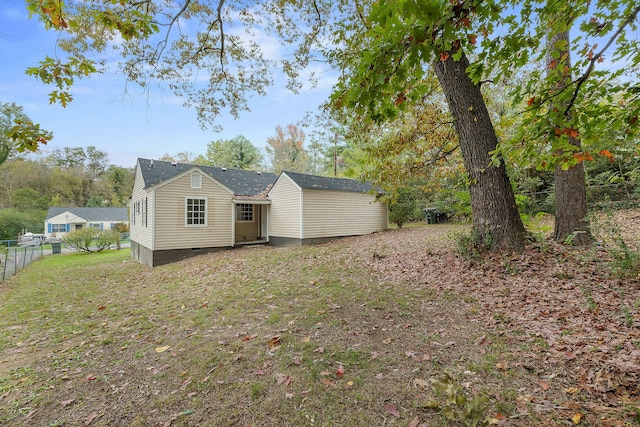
[[139, 233], [284, 212], [341, 213], [170, 229]]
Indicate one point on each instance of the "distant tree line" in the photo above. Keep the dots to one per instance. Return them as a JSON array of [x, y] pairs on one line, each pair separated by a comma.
[[71, 176]]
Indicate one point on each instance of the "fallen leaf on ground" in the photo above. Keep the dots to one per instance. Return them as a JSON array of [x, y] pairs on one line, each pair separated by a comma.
[[393, 410], [90, 418], [543, 384], [67, 402], [274, 341], [162, 349], [327, 382], [576, 418], [283, 379]]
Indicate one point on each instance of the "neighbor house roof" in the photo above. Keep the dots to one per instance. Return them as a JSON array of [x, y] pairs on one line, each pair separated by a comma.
[[314, 182], [91, 214], [241, 182]]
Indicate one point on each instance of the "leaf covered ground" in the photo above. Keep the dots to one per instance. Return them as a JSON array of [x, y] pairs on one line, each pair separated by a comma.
[[395, 328]]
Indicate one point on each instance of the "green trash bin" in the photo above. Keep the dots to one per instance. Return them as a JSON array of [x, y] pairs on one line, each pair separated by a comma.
[[431, 215], [56, 247]]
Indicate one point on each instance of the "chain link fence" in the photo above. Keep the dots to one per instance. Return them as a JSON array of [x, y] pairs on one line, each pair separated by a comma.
[[14, 259]]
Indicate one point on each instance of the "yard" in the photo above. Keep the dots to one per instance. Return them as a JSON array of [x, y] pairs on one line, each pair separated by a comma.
[[394, 328]]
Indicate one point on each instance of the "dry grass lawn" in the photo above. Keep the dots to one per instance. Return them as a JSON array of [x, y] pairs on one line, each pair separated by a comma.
[[394, 328]]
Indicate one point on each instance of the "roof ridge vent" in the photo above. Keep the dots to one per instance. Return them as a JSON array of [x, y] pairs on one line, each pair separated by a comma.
[[174, 163], [224, 169]]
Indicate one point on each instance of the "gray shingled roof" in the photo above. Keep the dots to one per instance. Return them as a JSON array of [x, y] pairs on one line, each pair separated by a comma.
[[328, 183], [92, 214], [241, 182]]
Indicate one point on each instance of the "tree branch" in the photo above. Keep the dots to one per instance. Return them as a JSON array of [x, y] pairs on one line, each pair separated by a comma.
[[163, 44], [583, 78]]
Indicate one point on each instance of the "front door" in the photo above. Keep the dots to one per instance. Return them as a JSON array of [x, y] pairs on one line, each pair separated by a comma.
[[248, 220]]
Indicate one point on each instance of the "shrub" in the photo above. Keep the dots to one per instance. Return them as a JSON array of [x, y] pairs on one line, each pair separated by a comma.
[[453, 401], [456, 203], [120, 227], [406, 206], [91, 239], [3, 254]]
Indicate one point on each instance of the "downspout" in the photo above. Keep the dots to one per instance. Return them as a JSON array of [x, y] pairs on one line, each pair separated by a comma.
[[233, 223], [267, 211], [301, 214], [153, 220]]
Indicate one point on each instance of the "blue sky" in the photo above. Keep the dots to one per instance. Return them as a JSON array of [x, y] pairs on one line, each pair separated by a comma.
[[132, 125]]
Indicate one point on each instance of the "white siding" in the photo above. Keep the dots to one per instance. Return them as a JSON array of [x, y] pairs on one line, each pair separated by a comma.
[[341, 213], [66, 218], [284, 213], [142, 234], [170, 229]]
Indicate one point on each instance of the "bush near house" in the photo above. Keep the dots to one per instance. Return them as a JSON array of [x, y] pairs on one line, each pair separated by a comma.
[[406, 207], [92, 239], [121, 227]]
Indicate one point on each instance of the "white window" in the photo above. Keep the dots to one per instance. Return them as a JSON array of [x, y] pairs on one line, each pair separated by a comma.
[[58, 228], [244, 212], [195, 212], [196, 180], [95, 225]]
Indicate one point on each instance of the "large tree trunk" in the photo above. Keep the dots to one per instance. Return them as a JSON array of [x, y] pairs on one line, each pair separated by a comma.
[[496, 220], [571, 206], [570, 186]]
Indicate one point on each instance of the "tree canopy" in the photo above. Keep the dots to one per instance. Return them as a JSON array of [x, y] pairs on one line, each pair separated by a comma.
[[386, 52], [18, 133], [286, 150], [236, 152]]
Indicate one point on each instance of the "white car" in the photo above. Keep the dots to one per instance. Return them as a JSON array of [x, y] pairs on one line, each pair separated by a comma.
[[30, 239]]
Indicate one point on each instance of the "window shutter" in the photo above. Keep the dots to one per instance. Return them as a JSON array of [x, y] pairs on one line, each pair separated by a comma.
[[49, 228], [67, 227]]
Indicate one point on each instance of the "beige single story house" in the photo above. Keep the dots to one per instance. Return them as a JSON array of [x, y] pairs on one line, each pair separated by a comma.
[[181, 210], [310, 209], [62, 220]]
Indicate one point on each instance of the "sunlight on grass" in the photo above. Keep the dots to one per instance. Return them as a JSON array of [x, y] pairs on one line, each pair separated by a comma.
[[312, 335]]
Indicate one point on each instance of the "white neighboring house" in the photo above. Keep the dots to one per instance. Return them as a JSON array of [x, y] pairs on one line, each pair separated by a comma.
[[62, 220]]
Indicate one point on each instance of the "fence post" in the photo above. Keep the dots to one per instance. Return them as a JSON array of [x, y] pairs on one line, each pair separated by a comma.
[[4, 270]]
